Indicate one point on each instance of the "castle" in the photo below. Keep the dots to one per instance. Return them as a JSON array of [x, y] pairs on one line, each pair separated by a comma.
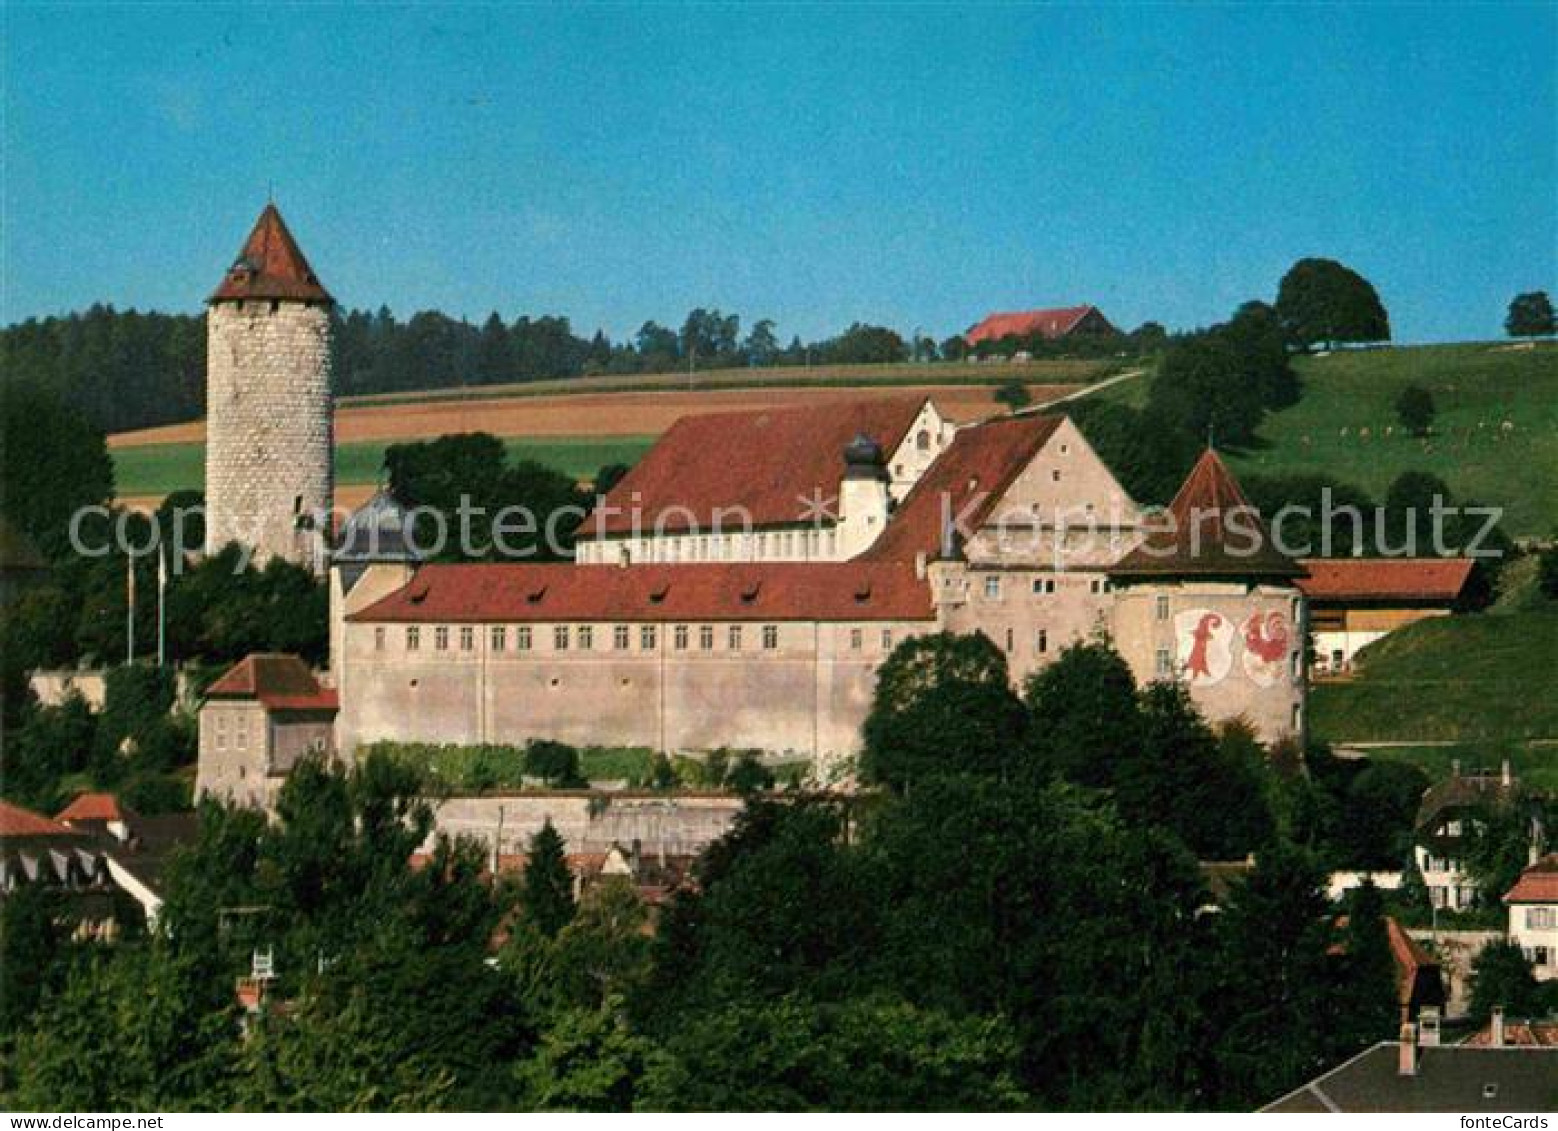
[[741, 585]]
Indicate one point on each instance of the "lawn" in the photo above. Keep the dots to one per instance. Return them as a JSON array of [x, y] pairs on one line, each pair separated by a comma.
[[1489, 678], [1495, 438], [159, 469]]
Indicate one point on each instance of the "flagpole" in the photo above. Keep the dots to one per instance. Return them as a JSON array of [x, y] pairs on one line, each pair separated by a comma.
[[162, 620], [129, 618]]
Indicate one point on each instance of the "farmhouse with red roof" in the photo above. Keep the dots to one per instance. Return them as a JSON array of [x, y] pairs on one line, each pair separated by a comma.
[[1355, 601], [1051, 325]]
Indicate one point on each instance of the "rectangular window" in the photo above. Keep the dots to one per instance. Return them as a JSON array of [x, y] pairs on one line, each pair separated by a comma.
[[241, 736], [770, 636], [706, 637], [620, 638], [1540, 918], [586, 637], [857, 639], [1298, 717], [1164, 665], [1043, 585], [1041, 641], [467, 638], [1010, 640], [1297, 660], [992, 588], [734, 640], [887, 640], [441, 638], [1163, 608], [646, 638], [560, 638], [1098, 585], [413, 638], [522, 638], [499, 638], [679, 637], [378, 639]]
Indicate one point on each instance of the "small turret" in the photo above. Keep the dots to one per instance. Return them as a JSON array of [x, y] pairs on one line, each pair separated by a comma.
[[863, 496]]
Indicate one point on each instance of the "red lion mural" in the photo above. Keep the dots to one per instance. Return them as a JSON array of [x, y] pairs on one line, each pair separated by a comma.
[[1267, 637]]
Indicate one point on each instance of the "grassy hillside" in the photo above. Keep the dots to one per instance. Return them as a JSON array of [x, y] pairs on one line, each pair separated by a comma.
[[1495, 438], [1491, 678], [158, 469]]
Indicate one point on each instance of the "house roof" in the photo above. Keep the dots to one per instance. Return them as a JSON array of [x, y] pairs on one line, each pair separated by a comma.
[[281, 682], [18, 822], [1386, 579], [1537, 884], [1055, 322], [1449, 1078], [1465, 791], [1209, 530], [270, 265], [966, 482], [1523, 1034], [1417, 971], [725, 591], [776, 466], [102, 807]]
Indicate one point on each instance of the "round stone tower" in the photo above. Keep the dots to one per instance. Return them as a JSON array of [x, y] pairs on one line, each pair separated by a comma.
[[269, 476]]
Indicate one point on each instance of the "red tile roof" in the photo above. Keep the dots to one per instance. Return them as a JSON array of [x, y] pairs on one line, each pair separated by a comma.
[[1386, 579], [270, 265], [18, 822], [1414, 965], [725, 591], [768, 464], [1210, 530], [1053, 323], [102, 807], [973, 473], [1537, 884], [1519, 1034], [281, 682]]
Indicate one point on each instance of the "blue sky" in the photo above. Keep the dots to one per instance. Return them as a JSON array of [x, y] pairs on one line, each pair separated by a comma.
[[915, 165]]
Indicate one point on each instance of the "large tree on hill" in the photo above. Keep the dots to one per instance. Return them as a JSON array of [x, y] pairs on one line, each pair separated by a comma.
[[1321, 301], [1531, 316]]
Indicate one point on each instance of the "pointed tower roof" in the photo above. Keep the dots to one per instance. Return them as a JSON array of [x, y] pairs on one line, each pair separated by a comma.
[[1210, 530], [270, 265]]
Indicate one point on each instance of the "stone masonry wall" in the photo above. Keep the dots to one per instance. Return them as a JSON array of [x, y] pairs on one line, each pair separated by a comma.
[[268, 426]]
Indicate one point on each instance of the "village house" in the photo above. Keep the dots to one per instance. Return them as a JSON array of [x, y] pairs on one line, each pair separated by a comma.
[[259, 718], [1533, 915], [1450, 812]]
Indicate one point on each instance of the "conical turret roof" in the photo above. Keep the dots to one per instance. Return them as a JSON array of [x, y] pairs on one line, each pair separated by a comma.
[[270, 265], [1210, 530]]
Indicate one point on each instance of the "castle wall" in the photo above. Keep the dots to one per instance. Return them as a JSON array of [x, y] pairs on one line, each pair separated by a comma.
[[268, 426], [679, 824], [807, 696]]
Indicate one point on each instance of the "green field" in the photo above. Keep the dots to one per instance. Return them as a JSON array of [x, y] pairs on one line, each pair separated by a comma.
[[1495, 438], [1051, 371], [1490, 680], [159, 469]]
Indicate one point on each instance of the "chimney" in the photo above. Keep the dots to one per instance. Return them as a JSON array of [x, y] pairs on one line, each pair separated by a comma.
[[1428, 1026], [1407, 1065], [919, 565], [1497, 1040]]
